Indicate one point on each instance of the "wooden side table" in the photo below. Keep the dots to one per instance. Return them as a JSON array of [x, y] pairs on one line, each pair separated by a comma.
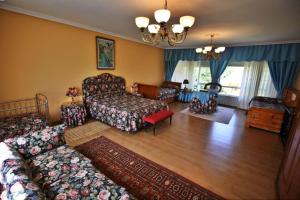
[[73, 113]]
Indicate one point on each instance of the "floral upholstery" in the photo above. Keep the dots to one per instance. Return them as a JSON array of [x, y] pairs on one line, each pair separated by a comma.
[[86, 183], [55, 164], [15, 175], [204, 107], [31, 144], [73, 114], [59, 173], [166, 93], [20, 125], [107, 101], [103, 84], [126, 112]]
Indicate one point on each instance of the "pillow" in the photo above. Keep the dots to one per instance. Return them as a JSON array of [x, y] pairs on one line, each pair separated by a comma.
[[34, 143]]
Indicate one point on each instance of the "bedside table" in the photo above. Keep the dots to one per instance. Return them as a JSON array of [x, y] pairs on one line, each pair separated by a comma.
[[73, 113]]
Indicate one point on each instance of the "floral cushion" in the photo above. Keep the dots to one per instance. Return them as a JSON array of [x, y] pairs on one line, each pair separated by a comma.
[[87, 183], [32, 144], [19, 125], [55, 164], [15, 176]]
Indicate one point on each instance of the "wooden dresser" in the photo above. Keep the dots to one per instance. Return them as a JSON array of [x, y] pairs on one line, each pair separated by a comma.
[[268, 113]]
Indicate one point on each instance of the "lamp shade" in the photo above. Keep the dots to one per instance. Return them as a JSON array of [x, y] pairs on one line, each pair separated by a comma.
[[185, 81], [153, 28], [162, 15], [187, 21], [177, 28], [141, 22]]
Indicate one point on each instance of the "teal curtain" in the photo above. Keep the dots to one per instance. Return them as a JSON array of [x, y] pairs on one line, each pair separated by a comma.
[[283, 59], [172, 56], [284, 74], [217, 67]]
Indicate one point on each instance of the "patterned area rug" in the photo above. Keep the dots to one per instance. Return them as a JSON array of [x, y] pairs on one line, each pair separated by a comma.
[[223, 115], [140, 176], [87, 132]]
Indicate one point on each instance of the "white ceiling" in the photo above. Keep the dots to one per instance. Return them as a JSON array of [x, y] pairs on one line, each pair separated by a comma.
[[235, 22]]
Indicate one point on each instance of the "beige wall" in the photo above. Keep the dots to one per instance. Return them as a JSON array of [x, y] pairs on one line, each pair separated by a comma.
[[37, 55]]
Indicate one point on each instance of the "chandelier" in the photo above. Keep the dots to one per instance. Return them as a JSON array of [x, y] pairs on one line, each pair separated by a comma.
[[157, 32], [210, 51]]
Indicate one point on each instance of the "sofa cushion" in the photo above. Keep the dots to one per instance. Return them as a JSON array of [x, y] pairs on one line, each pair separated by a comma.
[[86, 183], [55, 164], [34, 143]]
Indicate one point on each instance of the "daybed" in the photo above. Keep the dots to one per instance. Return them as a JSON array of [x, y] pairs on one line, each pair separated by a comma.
[[19, 117], [40, 165], [167, 92], [106, 100]]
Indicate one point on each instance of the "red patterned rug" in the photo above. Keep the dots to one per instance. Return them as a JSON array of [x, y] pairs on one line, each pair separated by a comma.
[[143, 178]]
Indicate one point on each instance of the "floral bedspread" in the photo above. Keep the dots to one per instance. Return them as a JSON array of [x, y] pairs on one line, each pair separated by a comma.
[[124, 111], [166, 93], [19, 125]]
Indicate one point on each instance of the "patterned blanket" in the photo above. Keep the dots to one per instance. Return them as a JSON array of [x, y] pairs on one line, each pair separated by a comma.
[[166, 93], [19, 125], [124, 111]]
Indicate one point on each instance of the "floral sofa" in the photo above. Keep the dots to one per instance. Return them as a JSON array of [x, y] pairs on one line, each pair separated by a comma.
[[39, 165]]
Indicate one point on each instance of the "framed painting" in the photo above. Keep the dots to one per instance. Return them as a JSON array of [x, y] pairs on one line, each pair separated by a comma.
[[105, 53]]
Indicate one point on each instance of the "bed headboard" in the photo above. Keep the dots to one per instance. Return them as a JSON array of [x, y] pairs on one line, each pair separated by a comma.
[[170, 84], [103, 84]]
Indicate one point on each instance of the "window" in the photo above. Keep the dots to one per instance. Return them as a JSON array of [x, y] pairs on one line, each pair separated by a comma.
[[201, 76], [231, 79]]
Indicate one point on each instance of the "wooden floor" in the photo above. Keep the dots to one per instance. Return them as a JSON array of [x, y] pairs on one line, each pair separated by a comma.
[[230, 160]]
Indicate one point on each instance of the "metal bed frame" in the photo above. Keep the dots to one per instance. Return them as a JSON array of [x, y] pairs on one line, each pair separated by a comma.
[[37, 104]]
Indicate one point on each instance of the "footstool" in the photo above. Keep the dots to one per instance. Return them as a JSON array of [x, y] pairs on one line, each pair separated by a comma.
[[158, 117]]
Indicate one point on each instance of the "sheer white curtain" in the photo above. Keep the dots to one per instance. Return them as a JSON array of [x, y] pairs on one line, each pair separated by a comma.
[[256, 82], [185, 70]]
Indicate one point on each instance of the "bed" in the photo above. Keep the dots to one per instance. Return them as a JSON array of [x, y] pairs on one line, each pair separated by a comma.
[[167, 92], [106, 100], [22, 116]]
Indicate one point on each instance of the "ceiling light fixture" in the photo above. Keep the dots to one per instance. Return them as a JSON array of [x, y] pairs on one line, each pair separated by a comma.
[[210, 51], [157, 32]]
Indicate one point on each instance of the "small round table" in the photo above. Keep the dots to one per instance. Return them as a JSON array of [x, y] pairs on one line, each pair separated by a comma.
[[73, 113]]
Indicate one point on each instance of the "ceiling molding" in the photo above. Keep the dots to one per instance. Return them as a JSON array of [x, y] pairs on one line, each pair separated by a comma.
[[239, 44], [68, 22]]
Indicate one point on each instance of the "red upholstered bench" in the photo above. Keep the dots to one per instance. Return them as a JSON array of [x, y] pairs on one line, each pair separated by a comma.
[[158, 117]]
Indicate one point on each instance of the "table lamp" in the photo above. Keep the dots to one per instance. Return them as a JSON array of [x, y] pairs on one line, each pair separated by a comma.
[[185, 81]]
